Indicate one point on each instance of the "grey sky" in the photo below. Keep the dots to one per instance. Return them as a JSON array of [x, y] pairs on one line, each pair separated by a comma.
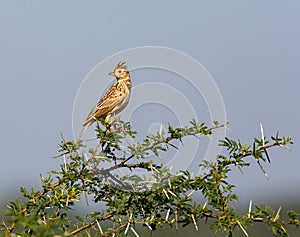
[[251, 49]]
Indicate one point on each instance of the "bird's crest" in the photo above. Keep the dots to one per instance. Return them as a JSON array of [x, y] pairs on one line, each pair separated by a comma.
[[122, 65]]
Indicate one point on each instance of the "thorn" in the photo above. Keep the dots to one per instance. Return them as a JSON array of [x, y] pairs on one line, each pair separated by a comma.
[[169, 182], [262, 134], [170, 144], [172, 193], [91, 139], [228, 129], [249, 209], [128, 224], [191, 193], [100, 229], [267, 155], [42, 179], [65, 163], [205, 204], [176, 219], [168, 213], [242, 228], [160, 128], [195, 224], [136, 234], [67, 202], [148, 226], [143, 211], [166, 193], [286, 147], [277, 214], [262, 168], [159, 157], [86, 158], [240, 168], [86, 198]]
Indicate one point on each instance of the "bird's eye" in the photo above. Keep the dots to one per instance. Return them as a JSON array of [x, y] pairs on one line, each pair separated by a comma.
[[120, 71]]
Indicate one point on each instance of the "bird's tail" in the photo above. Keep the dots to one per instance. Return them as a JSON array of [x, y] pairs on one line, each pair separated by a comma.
[[85, 127]]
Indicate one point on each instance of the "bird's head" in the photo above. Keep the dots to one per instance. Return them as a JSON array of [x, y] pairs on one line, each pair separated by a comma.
[[121, 71]]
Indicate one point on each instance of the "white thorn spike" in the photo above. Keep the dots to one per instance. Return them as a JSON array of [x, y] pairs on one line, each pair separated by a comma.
[[242, 228], [262, 134], [136, 234], [249, 210], [100, 229], [168, 213]]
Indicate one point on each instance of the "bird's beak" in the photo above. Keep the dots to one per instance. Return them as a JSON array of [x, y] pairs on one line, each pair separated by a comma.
[[111, 74]]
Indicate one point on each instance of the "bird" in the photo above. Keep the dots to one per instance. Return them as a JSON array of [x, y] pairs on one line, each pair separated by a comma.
[[114, 100]]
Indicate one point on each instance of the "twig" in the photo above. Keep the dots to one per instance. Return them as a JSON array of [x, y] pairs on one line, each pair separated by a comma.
[[59, 155], [66, 144], [90, 224]]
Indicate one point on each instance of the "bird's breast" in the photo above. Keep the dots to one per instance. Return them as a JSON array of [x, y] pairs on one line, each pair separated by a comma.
[[123, 102]]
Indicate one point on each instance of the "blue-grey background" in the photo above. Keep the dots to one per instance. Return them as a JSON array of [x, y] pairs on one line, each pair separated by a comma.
[[250, 48]]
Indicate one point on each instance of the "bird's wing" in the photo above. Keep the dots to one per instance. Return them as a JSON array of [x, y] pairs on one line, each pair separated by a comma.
[[106, 104], [103, 108]]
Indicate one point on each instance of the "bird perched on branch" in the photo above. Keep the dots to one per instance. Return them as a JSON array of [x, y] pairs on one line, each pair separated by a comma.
[[114, 100]]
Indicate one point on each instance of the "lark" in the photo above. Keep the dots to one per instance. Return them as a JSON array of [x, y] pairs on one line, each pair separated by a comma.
[[114, 100]]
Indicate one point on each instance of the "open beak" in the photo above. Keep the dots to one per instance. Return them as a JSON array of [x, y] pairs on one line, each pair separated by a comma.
[[111, 74]]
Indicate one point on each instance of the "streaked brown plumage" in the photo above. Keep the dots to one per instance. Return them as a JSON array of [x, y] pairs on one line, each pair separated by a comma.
[[114, 100]]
